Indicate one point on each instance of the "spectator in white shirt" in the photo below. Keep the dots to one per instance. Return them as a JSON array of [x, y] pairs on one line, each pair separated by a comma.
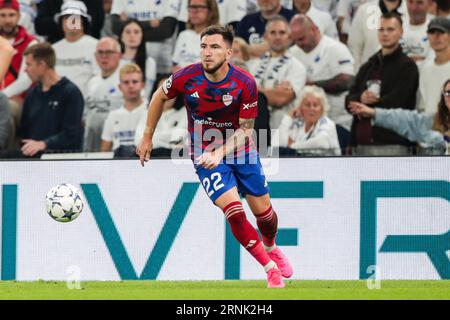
[[103, 93], [279, 76], [346, 10], [159, 20], [328, 62], [435, 72], [75, 54], [120, 125], [131, 39], [307, 129], [202, 13], [321, 19], [414, 41]]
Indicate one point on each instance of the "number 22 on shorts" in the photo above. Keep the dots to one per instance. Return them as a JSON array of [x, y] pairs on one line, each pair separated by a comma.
[[216, 179]]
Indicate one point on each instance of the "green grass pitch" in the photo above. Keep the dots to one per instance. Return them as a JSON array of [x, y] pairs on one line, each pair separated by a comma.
[[225, 290]]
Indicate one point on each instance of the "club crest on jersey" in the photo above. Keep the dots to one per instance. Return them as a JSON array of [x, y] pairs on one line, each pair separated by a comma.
[[227, 99]]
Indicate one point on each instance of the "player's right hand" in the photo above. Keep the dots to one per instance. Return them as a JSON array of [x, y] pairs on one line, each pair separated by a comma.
[[143, 150]]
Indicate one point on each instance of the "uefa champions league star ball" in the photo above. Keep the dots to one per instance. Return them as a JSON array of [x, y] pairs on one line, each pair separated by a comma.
[[64, 203]]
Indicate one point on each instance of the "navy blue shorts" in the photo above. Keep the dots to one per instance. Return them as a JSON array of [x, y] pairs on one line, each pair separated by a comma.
[[248, 177]]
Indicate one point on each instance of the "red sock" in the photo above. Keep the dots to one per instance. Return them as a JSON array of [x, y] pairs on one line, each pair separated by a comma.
[[244, 232], [268, 226]]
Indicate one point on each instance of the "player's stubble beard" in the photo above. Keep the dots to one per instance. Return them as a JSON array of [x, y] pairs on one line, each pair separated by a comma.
[[213, 69]]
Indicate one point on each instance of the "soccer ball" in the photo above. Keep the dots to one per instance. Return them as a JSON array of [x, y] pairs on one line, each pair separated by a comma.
[[64, 203]]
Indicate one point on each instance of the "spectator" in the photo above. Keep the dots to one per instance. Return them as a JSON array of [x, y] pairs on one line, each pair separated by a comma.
[[107, 29], [279, 76], [252, 27], [46, 24], [240, 50], [345, 11], [440, 8], [6, 55], [134, 51], [16, 80], [28, 12], [328, 62], [52, 110], [103, 93], [435, 71], [171, 132], [415, 42], [262, 121], [120, 125], [432, 131], [230, 11], [321, 19], [327, 6], [202, 13], [5, 122], [388, 80], [75, 53], [307, 129], [362, 37], [159, 21]]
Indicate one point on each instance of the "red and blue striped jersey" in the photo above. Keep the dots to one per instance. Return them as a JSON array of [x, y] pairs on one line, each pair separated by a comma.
[[214, 105]]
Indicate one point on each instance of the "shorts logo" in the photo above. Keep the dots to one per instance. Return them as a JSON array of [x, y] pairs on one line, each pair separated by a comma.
[[250, 105], [227, 99]]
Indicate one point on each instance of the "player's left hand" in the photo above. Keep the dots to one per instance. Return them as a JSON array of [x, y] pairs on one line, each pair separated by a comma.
[[31, 147], [210, 160]]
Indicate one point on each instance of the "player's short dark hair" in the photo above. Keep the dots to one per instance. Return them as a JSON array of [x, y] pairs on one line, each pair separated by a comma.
[[443, 5], [392, 15], [42, 52], [225, 32]]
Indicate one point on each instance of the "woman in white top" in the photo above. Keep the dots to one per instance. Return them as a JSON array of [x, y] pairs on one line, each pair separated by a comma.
[[307, 129], [202, 13], [134, 51]]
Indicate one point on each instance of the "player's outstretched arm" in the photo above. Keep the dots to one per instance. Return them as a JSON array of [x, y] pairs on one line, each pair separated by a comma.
[[6, 54], [241, 136], [154, 114]]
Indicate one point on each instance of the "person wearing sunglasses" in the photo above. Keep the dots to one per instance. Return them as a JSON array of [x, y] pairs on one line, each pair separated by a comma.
[[430, 130]]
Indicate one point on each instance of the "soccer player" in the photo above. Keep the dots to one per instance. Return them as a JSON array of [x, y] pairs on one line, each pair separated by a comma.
[[220, 97]]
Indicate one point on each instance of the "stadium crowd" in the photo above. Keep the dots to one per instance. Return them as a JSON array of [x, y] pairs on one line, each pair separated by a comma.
[[335, 77]]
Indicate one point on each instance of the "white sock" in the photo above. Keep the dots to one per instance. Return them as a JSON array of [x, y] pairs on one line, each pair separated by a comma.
[[269, 266], [269, 249]]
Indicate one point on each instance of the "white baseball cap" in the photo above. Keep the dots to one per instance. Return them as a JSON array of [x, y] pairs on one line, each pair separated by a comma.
[[73, 7]]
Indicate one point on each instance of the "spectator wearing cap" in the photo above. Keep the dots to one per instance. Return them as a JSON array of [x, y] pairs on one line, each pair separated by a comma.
[[389, 79], [46, 25], [362, 36], [435, 71], [52, 110], [75, 54]]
